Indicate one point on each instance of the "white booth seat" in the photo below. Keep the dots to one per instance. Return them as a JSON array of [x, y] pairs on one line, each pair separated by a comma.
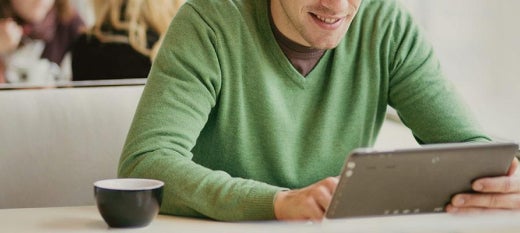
[[54, 143]]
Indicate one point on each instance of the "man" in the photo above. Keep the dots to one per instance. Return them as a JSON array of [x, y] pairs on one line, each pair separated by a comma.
[[252, 105]]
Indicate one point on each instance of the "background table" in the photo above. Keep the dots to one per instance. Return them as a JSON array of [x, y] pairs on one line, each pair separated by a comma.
[[87, 219]]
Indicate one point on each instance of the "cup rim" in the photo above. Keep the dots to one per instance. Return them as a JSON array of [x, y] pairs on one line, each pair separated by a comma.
[[130, 184]]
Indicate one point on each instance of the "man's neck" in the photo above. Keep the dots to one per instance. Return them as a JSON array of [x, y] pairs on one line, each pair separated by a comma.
[[303, 58]]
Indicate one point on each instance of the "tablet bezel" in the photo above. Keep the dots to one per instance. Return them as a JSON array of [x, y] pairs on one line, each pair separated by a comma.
[[414, 180]]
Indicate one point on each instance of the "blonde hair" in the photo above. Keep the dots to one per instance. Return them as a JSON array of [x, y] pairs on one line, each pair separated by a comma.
[[135, 17]]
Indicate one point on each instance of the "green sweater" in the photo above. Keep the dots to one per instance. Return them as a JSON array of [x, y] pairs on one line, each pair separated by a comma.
[[226, 121]]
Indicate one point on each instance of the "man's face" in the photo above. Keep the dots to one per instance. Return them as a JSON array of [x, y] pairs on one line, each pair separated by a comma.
[[314, 23]]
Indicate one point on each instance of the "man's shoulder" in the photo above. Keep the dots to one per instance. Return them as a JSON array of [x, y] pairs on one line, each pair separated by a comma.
[[383, 21], [382, 2], [383, 12], [225, 15], [378, 5], [223, 6]]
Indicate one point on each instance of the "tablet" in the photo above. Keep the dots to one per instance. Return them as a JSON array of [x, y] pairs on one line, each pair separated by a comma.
[[414, 180]]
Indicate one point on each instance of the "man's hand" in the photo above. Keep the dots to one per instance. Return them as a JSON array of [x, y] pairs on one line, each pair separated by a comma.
[[308, 203], [497, 193], [10, 35]]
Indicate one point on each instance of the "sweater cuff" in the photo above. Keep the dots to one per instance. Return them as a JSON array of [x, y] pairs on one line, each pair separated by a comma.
[[262, 203]]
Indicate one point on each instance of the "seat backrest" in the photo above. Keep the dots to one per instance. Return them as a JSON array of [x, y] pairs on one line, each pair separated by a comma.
[[54, 143]]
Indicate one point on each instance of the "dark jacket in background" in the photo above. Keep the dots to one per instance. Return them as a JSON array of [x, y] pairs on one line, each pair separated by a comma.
[[94, 60], [64, 34]]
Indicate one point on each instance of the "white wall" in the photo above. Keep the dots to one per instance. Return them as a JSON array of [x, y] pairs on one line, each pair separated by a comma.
[[478, 42]]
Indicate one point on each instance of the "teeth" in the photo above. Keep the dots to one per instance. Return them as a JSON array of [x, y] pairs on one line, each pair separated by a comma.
[[327, 20]]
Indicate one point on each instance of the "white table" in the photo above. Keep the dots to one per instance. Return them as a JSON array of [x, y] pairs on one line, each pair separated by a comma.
[[87, 219]]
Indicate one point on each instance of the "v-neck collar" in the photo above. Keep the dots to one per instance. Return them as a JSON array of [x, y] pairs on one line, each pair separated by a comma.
[[277, 52]]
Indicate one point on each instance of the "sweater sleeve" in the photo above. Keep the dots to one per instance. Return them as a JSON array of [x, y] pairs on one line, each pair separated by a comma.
[[425, 101], [181, 91]]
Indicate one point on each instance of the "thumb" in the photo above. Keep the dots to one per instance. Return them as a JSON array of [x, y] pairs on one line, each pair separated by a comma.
[[513, 168]]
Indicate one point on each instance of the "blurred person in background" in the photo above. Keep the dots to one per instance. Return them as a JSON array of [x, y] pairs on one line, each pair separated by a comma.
[[35, 36], [123, 40]]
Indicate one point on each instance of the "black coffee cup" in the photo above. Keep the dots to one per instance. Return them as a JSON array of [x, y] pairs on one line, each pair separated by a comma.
[[128, 202]]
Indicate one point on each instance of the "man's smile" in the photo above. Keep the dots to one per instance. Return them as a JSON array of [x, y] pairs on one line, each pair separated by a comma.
[[328, 20]]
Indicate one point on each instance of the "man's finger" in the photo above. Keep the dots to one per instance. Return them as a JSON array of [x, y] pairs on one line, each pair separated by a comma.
[[514, 167], [495, 201], [471, 210], [503, 184], [313, 212], [331, 183]]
